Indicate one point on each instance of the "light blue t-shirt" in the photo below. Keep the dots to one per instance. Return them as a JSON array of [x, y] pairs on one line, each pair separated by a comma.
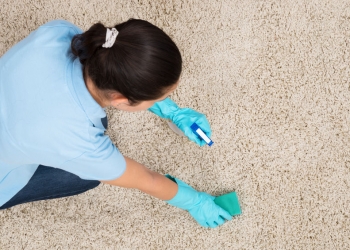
[[47, 115]]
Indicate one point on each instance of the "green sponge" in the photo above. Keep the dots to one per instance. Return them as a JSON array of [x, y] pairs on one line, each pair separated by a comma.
[[229, 202]]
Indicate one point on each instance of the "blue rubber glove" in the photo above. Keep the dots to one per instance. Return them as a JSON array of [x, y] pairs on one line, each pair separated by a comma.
[[199, 204], [183, 118]]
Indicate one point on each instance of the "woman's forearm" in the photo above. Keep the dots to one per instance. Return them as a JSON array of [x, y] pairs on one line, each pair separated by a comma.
[[138, 176]]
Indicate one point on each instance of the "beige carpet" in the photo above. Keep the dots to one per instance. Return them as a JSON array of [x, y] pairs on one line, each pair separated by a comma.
[[273, 78]]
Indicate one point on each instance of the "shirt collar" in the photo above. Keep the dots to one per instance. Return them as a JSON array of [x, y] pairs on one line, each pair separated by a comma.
[[92, 109]]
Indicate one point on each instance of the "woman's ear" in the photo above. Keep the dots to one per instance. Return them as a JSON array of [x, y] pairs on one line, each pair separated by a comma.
[[117, 99]]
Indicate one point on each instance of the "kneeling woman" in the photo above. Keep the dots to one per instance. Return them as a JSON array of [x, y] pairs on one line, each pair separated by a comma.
[[54, 86]]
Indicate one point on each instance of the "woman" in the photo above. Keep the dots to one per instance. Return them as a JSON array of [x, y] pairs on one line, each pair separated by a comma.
[[54, 86]]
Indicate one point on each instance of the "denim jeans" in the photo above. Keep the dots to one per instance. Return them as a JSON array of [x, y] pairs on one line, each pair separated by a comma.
[[50, 183]]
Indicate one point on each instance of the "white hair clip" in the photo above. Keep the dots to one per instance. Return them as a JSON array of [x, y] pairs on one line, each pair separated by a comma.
[[111, 35]]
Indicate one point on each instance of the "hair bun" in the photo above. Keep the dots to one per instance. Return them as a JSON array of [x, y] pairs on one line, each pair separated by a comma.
[[86, 44]]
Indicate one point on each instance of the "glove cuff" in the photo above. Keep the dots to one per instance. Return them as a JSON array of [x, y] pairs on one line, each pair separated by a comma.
[[186, 197], [165, 109]]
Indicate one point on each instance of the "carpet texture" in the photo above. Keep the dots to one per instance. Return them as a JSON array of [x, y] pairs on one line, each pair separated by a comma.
[[272, 78]]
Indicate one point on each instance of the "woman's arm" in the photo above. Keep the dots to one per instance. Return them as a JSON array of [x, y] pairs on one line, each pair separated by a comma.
[[138, 176], [177, 193]]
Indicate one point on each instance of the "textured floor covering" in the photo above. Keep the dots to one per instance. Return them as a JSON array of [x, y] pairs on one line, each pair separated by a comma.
[[273, 79]]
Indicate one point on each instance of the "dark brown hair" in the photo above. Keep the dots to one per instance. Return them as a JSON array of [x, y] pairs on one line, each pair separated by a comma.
[[141, 65]]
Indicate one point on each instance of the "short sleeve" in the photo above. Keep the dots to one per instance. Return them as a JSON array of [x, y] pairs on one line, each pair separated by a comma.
[[62, 23], [104, 163]]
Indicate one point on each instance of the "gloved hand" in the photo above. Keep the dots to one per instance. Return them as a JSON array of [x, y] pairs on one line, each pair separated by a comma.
[[183, 118], [199, 204]]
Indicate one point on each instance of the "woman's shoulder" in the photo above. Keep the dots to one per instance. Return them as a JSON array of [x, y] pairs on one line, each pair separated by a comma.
[[61, 23]]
